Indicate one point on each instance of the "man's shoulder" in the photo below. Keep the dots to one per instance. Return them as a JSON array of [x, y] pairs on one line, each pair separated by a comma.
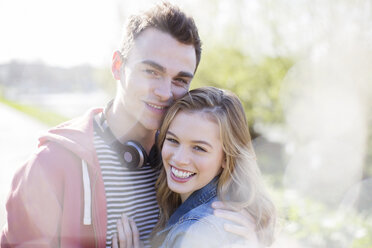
[[54, 152], [51, 159], [68, 141]]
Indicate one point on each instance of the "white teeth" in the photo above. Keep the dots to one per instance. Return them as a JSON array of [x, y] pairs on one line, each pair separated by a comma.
[[181, 174], [156, 106]]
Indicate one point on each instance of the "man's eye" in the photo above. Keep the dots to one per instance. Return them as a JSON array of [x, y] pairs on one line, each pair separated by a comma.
[[151, 72], [180, 81]]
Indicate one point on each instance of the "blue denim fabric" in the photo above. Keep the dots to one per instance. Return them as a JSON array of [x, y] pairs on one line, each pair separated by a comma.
[[194, 225], [202, 196]]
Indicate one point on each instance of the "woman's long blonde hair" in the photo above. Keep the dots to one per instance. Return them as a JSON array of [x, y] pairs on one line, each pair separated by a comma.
[[240, 184]]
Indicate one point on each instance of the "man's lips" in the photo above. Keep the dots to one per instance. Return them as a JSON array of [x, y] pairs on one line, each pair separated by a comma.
[[156, 106]]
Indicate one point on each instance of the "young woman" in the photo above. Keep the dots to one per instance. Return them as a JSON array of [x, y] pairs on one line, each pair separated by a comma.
[[208, 156]]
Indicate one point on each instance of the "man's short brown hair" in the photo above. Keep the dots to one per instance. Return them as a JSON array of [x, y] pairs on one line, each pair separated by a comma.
[[167, 18]]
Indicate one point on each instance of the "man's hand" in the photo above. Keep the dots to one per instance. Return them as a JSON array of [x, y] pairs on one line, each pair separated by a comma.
[[127, 235], [245, 224]]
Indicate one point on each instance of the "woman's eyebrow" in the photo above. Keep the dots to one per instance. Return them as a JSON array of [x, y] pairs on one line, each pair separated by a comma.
[[169, 132], [194, 141], [202, 142]]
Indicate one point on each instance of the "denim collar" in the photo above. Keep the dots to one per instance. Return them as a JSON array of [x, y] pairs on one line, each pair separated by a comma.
[[196, 199]]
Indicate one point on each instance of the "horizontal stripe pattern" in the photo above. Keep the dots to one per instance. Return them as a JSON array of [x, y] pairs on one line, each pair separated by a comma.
[[127, 191]]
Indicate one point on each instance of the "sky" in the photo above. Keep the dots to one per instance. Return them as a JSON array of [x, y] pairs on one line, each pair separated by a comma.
[[56, 32], [73, 32], [62, 33]]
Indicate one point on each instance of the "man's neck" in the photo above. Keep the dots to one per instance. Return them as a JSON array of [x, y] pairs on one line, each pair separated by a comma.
[[125, 127]]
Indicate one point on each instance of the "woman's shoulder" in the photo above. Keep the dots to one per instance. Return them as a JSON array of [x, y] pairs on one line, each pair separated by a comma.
[[202, 211], [200, 228], [195, 231]]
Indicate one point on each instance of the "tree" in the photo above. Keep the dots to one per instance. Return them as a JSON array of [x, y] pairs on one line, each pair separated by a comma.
[[257, 83]]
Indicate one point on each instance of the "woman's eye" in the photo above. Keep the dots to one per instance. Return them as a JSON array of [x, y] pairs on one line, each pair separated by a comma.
[[199, 148], [171, 140]]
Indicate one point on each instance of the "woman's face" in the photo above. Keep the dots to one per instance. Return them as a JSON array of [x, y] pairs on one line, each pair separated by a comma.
[[192, 152]]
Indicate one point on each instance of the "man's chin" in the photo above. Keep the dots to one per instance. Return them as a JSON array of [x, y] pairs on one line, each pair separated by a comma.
[[152, 126]]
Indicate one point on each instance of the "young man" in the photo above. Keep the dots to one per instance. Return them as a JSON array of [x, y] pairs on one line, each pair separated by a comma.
[[74, 188]]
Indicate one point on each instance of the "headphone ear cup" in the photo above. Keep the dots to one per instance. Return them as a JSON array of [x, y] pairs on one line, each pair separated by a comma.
[[134, 155]]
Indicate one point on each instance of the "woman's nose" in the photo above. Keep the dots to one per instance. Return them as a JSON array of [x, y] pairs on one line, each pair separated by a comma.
[[181, 156]]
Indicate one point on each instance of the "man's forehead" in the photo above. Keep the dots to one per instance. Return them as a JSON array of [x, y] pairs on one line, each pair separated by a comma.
[[164, 50]]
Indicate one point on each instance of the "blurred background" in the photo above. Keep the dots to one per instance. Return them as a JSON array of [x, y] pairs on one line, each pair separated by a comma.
[[303, 69]]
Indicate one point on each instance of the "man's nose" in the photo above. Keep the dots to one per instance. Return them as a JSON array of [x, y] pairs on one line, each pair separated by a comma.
[[164, 89]]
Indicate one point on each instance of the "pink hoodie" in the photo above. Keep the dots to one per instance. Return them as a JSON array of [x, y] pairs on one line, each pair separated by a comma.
[[57, 197]]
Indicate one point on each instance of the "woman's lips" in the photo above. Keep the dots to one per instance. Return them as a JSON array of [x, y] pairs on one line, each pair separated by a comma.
[[181, 176]]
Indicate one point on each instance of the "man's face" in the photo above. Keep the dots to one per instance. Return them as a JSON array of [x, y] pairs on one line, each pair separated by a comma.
[[158, 71]]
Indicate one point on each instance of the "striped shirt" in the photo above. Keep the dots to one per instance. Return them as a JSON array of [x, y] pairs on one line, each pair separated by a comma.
[[129, 191]]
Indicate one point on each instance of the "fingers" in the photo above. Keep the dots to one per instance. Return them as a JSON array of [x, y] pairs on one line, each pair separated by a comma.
[[243, 224], [248, 233], [222, 205], [115, 241], [135, 234], [121, 234], [127, 233], [219, 204], [242, 217], [127, 230]]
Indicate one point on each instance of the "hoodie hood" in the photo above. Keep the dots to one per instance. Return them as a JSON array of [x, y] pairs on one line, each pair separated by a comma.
[[72, 135], [76, 136]]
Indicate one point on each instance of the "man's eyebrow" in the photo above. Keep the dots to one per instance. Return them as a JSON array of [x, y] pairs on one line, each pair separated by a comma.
[[185, 74], [154, 64]]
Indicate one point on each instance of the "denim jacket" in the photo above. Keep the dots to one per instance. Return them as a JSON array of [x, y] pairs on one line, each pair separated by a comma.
[[194, 225]]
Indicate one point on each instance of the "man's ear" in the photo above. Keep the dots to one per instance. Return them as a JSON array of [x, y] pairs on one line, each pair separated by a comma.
[[117, 62]]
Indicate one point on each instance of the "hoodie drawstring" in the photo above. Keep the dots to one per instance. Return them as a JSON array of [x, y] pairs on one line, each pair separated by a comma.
[[87, 195]]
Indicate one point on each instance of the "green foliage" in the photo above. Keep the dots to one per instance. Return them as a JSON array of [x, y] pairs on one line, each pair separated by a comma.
[[316, 225], [257, 83]]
